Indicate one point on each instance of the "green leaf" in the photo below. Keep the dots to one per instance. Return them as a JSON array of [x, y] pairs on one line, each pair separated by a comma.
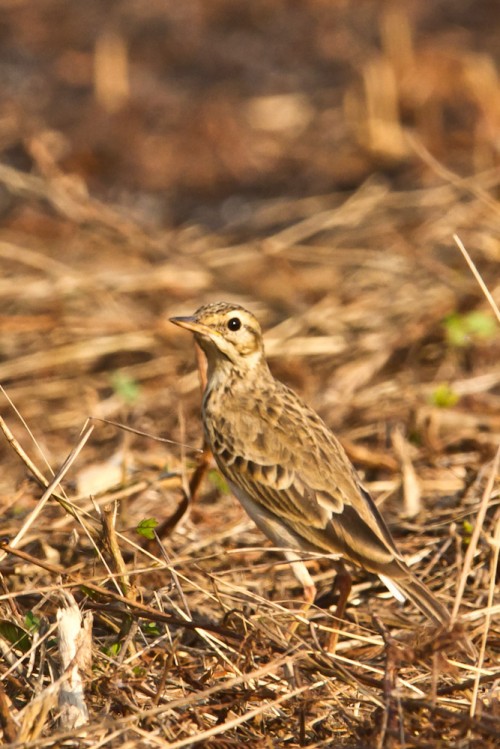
[[146, 527], [481, 324], [218, 480], [463, 330], [444, 397], [92, 594], [125, 387], [468, 527], [32, 621], [151, 628], [15, 635], [456, 334], [113, 649]]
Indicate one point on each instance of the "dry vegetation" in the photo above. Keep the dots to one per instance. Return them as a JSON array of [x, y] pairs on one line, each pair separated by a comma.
[[311, 160]]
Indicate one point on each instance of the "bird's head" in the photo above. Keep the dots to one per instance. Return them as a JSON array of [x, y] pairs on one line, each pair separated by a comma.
[[226, 331]]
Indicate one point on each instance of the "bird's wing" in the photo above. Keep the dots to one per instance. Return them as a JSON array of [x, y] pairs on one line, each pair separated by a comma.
[[296, 469]]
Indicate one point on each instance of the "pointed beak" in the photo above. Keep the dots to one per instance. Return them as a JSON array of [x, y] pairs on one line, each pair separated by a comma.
[[190, 323]]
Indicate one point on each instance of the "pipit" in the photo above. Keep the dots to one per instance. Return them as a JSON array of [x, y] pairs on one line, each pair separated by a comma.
[[285, 466]]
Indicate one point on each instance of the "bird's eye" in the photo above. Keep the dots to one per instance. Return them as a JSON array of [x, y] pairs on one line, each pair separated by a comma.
[[234, 323]]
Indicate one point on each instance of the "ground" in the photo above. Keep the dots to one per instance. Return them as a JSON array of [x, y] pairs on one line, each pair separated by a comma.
[[320, 163]]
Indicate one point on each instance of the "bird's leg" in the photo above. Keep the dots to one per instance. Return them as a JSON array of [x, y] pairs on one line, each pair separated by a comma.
[[342, 583], [301, 572]]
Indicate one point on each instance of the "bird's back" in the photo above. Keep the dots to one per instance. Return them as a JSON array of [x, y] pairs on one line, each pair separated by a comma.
[[274, 446]]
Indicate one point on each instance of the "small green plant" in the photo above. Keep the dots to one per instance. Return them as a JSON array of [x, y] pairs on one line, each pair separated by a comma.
[[31, 622], [467, 529], [464, 329], [218, 480], [92, 594], [18, 638], [444, 397], [113, 650], [151, 628], [146, 528], [125, 387]]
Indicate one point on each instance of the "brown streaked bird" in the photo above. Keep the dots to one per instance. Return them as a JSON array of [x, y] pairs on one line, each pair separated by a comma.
[[285, 466]]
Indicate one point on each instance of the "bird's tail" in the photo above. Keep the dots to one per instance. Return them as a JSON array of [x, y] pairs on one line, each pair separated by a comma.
[[409, 586]]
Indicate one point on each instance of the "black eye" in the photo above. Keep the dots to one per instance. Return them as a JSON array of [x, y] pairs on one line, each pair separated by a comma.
[[234, 323]]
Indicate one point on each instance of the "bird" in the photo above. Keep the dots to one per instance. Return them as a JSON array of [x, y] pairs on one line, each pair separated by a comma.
[[285, 466]]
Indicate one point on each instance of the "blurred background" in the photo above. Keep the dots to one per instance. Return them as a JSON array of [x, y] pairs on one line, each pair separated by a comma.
[[309, 159], [188, 112]]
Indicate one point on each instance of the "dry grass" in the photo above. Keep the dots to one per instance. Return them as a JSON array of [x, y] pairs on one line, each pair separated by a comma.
[[371, 312]]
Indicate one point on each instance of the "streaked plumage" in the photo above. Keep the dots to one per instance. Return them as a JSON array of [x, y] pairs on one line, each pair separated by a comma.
[[286, 467]]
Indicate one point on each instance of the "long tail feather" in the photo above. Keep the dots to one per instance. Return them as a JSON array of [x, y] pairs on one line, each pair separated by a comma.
[[411, 587]]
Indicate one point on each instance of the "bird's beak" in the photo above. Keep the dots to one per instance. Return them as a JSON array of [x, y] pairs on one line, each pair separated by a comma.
[[190, 323]]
